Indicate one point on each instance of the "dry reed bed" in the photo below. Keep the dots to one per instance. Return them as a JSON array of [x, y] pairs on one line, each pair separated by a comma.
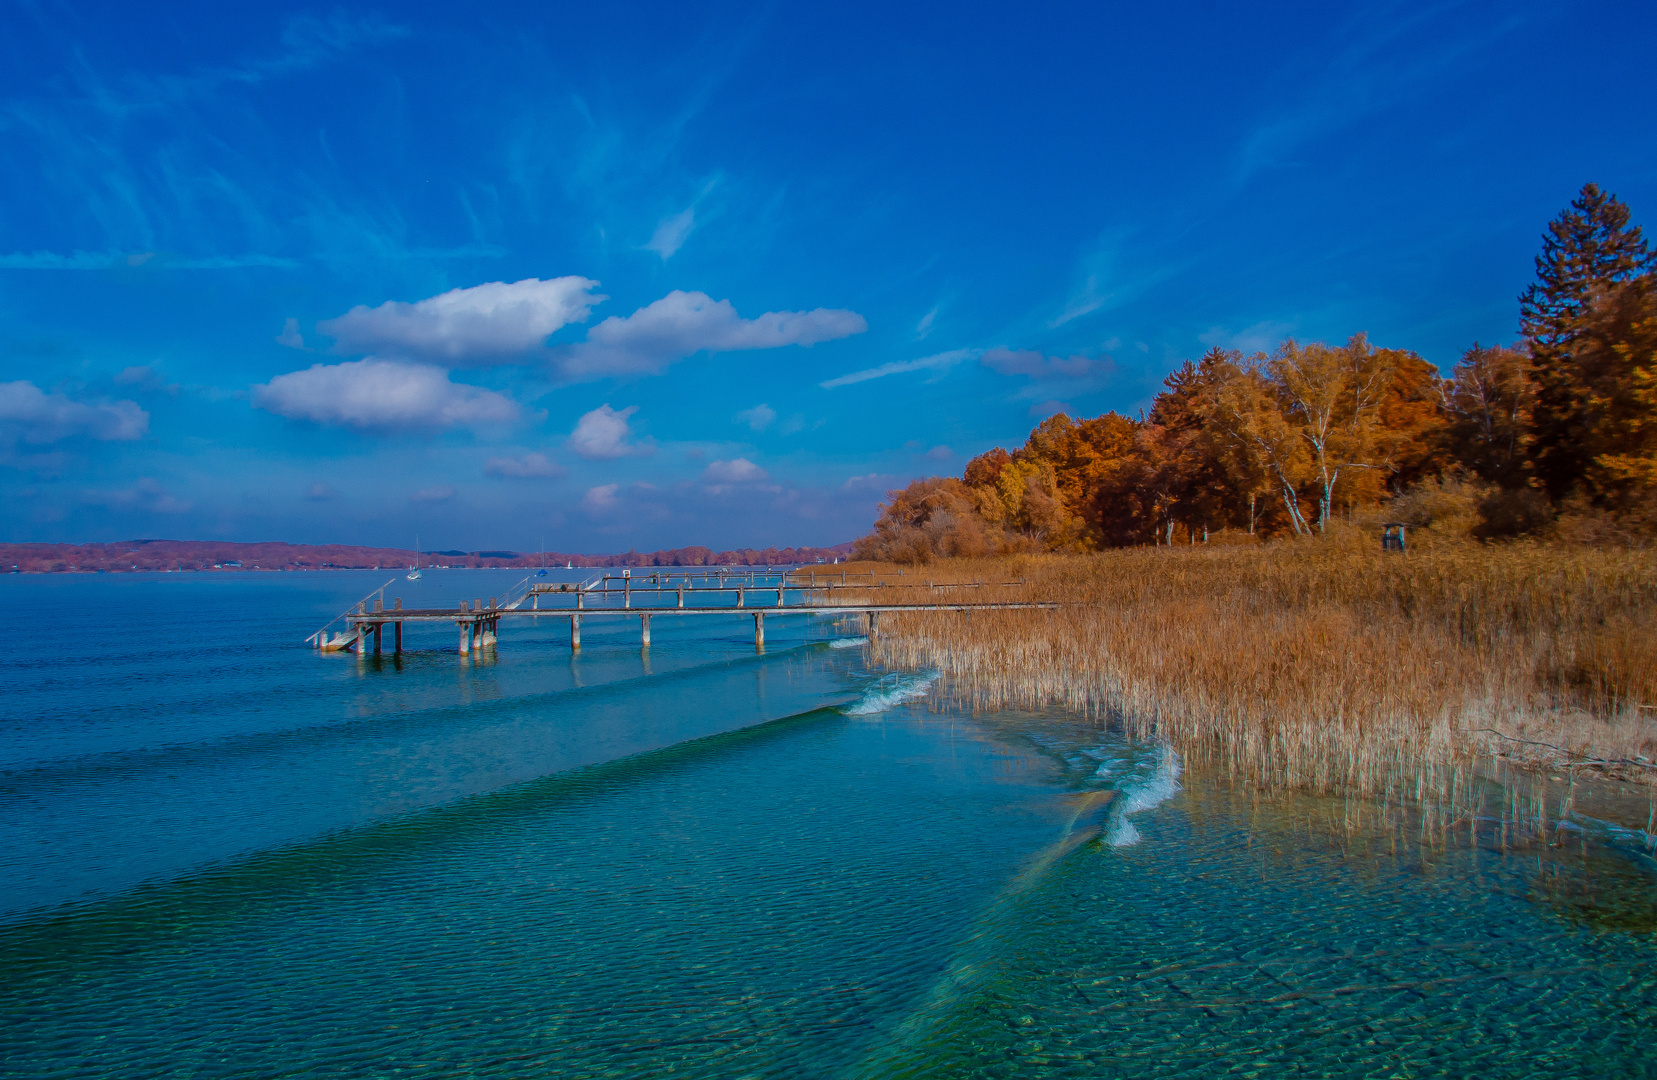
[[1325, 667]]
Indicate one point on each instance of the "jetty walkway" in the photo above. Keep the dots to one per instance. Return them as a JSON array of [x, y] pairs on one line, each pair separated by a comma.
[[698, 591]]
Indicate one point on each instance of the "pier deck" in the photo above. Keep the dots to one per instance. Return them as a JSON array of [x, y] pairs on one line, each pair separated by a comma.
[[659, 593]]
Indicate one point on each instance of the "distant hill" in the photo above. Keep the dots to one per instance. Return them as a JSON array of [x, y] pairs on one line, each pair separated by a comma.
[[152, 555]]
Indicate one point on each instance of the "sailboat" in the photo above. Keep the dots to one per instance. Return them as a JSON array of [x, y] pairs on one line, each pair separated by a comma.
[[414, 571], [543, 570]]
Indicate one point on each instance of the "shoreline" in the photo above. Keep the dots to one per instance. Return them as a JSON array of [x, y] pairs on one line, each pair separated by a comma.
[[1328, 668]]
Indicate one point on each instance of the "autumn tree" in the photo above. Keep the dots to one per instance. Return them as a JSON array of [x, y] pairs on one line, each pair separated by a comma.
[[1614, 360], [1488, 402], [1588, 250], [1411, 426], [932, 518], [1332, 397], [1189, 466], [1257, 437]]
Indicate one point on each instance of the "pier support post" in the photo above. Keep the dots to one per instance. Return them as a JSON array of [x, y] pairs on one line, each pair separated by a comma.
[[379, 627], [741, 597], [874, 625], [397, 637], [645, 638], [681, 596], [575, 633], [759, 630], [465, 638]]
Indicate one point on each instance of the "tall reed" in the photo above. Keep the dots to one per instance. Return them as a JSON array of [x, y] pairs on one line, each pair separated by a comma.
[[1326, 667]]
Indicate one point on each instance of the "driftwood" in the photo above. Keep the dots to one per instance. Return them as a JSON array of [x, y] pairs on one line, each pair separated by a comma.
[[1597, 763]]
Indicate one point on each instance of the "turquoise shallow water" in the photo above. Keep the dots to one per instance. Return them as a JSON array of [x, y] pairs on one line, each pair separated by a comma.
[[248, 860]]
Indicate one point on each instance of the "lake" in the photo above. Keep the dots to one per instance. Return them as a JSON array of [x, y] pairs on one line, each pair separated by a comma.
[[225, 854]]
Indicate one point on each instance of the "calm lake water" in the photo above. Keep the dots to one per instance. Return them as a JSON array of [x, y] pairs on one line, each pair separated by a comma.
[[226, 855]]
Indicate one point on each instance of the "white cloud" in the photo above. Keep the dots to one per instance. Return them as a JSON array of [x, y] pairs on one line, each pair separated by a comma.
[[683, 323], [34, 416], [939, 453], [601, 498], [530, 466], [735, 471], [603, 433], [935, 362], [758, 418], [433, 494], [290, 335], [672, 233], [491, 322], [382, 394]]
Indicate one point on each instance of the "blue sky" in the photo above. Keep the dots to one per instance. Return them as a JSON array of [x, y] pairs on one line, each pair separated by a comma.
[[608, 276]]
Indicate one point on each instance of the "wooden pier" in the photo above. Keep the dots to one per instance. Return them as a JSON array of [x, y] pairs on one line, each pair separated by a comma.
[[698, 592]]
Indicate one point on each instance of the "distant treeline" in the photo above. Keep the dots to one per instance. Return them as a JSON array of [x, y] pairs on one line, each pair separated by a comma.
[[156, 555], [1562, 424]]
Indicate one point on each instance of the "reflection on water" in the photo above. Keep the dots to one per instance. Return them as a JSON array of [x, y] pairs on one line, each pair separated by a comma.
[[1245, 935]]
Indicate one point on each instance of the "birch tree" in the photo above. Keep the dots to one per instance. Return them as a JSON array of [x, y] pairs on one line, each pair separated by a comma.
[[1250, 424], [1332, 397]]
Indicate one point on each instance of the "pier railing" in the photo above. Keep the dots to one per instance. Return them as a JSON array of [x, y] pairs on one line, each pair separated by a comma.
[[665, 592], [343, 639]]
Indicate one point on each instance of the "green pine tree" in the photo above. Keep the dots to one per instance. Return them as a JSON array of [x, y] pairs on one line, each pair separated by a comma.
[[1588, 249]]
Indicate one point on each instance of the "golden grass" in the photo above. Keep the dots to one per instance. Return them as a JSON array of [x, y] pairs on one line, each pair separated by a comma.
[[1325, 666]]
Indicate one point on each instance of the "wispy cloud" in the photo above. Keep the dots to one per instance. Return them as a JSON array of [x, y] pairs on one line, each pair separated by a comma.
[[1260, 337], [1050, 376], [758, 418], [936, 362], [146, 495], [146, 379], [531, 466], [924, 327], [672, 232], [113, 260], [290, 336], [1383, 55]]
